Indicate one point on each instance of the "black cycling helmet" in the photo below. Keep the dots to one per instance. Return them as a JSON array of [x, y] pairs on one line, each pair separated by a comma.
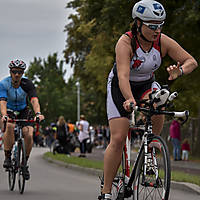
[[17, 64]]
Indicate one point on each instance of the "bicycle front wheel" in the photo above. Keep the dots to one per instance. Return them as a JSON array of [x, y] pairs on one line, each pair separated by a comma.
[[155, 184], [12, 175], [22, 165]]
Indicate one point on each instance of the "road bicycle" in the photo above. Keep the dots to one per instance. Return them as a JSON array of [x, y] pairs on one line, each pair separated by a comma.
[[150, 175], [18, 154]]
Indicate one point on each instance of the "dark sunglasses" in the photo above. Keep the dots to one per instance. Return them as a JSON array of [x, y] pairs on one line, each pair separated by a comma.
[[17, 72], [154, 27]]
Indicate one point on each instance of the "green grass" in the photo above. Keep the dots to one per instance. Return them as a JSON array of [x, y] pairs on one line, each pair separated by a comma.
[[185, 177], [84, 162]]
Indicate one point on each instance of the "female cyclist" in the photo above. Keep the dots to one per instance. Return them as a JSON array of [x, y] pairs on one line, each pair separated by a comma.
[[138, 54]]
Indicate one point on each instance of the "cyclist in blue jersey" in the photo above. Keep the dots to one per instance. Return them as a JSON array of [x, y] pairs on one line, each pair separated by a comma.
[[15, 91], [139, 54]]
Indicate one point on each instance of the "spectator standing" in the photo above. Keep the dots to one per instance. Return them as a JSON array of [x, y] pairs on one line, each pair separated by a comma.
[[100, 137], [54, 130], [48, 136], [106, 136], [71, 127], [185, 147], [62, 134], [83, 135], [175, 135]]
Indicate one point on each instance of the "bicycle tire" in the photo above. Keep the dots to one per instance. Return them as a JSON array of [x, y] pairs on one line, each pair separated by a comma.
[[153, 188], [21, 168], [12, 175]]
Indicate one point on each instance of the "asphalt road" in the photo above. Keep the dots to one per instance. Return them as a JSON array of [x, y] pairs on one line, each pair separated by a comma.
[[52, 182]]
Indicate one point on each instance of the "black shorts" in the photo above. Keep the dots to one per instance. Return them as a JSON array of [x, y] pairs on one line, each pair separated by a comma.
[[26, 113]]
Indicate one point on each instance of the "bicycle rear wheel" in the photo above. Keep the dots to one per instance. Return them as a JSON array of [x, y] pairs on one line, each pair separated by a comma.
[[156, 183], [22, 165], [12, 175]]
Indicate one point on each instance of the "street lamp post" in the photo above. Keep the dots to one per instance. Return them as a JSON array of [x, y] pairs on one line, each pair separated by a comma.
[[78, 100]]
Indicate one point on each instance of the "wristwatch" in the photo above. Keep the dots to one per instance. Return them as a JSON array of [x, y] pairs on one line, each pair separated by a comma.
[[38, 113], [181, 69]]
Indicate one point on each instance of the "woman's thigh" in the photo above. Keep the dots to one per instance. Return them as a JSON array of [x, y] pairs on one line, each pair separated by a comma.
[[118, 129]]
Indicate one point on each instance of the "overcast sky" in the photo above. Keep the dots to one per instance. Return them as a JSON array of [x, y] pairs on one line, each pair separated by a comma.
[[31, 28]]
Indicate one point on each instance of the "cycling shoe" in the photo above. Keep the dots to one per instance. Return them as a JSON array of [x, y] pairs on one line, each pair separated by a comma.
[[105, 197], [7, 163], [26, 173]]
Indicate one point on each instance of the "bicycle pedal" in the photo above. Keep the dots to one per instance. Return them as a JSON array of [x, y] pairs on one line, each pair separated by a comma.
[[128, 192]]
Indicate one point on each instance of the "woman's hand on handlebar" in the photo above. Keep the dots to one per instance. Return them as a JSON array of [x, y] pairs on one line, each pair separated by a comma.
[[127, 103]]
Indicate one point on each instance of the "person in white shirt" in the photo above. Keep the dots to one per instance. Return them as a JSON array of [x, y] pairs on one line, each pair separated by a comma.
[[83, 135]]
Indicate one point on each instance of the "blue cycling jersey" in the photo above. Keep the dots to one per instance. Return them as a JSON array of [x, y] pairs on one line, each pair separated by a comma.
[[16, 97]]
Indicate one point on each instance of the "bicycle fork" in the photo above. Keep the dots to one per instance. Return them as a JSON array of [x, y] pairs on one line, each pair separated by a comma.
[[149, 159]]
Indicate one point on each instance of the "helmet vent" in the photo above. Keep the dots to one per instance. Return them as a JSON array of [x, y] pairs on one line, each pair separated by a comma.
[[158, 14], [17, 64]]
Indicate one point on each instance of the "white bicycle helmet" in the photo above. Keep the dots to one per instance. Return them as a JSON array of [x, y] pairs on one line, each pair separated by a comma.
[[149, 10], [17, 64]]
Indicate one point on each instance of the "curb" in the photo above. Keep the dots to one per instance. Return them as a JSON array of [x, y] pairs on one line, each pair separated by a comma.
[[89, 171], [189, 187]]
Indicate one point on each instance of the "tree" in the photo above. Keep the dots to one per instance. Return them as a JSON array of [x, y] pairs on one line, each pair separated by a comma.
[[92, 35], [95, 29], [52, 90]]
